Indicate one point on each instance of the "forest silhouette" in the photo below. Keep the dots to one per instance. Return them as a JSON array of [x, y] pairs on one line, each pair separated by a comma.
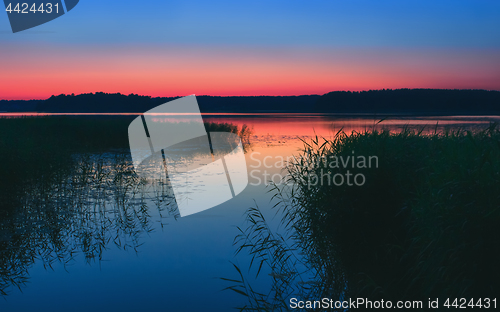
[[406, 101]]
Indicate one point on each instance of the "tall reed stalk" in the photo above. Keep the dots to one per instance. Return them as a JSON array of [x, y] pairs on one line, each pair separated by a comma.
[[424, 225]]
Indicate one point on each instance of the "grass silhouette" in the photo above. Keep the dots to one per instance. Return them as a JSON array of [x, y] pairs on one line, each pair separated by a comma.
[[424, 225]]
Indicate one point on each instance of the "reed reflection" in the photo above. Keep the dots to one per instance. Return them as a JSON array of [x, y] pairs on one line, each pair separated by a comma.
[[68, 188], [95, 203]]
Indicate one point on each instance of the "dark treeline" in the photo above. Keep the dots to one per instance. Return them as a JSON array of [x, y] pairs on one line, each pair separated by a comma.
[[411, 101], [406, 101], [102, 102]]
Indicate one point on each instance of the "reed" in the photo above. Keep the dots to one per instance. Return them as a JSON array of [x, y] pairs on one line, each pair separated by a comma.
[[424, 225]]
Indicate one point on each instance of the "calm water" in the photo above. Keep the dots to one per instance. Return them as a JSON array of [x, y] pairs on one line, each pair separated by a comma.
[[117, 251]]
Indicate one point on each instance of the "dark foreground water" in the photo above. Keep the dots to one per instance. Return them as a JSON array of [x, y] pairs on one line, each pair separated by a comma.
[[97, 240]]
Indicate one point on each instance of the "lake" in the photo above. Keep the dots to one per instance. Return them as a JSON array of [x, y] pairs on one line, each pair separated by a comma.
[[100, 246]]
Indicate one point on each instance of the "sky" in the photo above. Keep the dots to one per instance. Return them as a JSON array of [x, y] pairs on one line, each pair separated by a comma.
[[273, 47]]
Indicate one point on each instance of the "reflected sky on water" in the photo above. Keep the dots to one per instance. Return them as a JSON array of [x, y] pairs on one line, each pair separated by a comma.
[[98, 239]]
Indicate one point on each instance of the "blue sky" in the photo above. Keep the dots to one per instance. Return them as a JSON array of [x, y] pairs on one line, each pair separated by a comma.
[[274, 22]]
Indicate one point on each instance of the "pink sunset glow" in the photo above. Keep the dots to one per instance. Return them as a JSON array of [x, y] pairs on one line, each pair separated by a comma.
[[166, 71]]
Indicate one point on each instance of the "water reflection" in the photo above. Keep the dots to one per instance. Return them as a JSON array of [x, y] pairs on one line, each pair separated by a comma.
[[91, 206], [96, 203], [290, 126]]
